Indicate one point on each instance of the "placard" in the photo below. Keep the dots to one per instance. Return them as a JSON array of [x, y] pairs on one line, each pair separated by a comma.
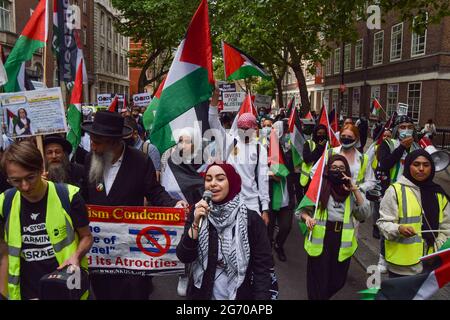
[[35, 112], [232, 101]]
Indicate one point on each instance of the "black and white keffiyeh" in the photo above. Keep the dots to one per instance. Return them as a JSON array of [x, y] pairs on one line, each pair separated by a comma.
[[230, 220]]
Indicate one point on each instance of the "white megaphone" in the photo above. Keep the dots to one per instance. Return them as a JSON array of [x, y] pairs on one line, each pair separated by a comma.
[[440, 158]]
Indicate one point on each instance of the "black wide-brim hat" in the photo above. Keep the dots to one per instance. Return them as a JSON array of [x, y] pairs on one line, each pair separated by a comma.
[[107, 124], [67, 147]]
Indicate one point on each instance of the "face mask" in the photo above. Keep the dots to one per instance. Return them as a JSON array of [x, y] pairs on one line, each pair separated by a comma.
[[347, 143], [336, 177], [261, 113], [265, 131], [406, 133], [307, 130], [321, 138]]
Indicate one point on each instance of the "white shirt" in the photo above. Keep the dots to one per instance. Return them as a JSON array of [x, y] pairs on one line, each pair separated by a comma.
[[244, 162], [110, 173]]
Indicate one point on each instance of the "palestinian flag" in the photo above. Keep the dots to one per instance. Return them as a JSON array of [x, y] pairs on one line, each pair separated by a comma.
[[33, 37], [290, 106], [309, 116], [13, 118], [332, 119], [375, 108], [74, 117], [388, 126], [150, 112], [23, 80], [189, 83], [280, 196], [296, 138], [239, 65], [113, 106], [183, 181], [311, 198], [421, 286], [324, 119]]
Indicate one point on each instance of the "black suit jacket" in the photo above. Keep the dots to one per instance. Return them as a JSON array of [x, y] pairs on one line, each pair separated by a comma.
[[135, 180]]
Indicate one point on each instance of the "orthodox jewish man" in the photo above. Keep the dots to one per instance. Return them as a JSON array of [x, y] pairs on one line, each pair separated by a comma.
[[119, 175]]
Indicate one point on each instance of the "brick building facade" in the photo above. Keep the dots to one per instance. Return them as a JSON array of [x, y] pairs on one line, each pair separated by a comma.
[[393, 64]]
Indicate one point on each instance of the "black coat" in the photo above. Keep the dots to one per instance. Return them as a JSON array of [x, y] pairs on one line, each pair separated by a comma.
[[76, 174], [259, 265], [135, 180]]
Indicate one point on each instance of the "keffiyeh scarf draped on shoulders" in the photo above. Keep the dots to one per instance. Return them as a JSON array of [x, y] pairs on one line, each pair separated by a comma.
[[230, 221]]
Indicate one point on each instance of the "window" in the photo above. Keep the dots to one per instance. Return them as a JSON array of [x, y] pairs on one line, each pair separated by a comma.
[[102, 23], [347, 57], [337, 60], [418, 43], [396, 41], [5, 15], [359, 54], [414, 95], [392, 99], [344, 109], [102, 58], [375, 93], [335, 99], [125, 66], [116, 63], [84, 6], [109, 61], [109, 28], [328, 67], [378, 43], [356, 101]]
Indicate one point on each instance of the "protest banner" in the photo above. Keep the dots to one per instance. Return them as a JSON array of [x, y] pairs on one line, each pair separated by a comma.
[[35, 112], [232, 101], [227, 87], [135, 240], [141, 99]]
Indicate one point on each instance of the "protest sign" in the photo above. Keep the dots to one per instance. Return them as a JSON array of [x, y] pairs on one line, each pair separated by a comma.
[[227, 87], [35, 112], [141, 99], [262, 101], [402, 109], [104, 99], [135, 240], [232, 101]]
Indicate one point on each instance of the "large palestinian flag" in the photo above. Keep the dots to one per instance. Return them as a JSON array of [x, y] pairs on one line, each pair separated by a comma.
[[280, 196], [33, 37], [239, 65], [190, 82]]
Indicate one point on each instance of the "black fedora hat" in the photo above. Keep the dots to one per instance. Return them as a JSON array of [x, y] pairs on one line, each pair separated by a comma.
[[107, 124], [67, 147]]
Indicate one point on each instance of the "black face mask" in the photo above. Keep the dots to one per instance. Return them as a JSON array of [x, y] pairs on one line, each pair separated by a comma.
[[307, 130], [336, 177]]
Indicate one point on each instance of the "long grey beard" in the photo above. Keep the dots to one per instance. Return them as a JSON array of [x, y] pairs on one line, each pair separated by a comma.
[[59, 172], [98, 163]]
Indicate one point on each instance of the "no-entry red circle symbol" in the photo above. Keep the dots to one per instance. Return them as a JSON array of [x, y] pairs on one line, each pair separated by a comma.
[[146, 233]]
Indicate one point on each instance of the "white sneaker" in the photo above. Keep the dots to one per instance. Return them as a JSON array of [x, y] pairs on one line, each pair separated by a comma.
[[182, 285], [382, 265]]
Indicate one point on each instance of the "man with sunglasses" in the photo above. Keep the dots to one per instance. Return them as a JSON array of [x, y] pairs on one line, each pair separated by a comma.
[[45, 225]]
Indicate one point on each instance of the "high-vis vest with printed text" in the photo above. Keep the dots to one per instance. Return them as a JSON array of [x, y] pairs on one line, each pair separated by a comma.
[[59, 228]]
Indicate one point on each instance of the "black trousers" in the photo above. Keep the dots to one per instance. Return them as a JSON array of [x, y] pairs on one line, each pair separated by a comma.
[[325, 274], [282, 218], [120, 287]]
